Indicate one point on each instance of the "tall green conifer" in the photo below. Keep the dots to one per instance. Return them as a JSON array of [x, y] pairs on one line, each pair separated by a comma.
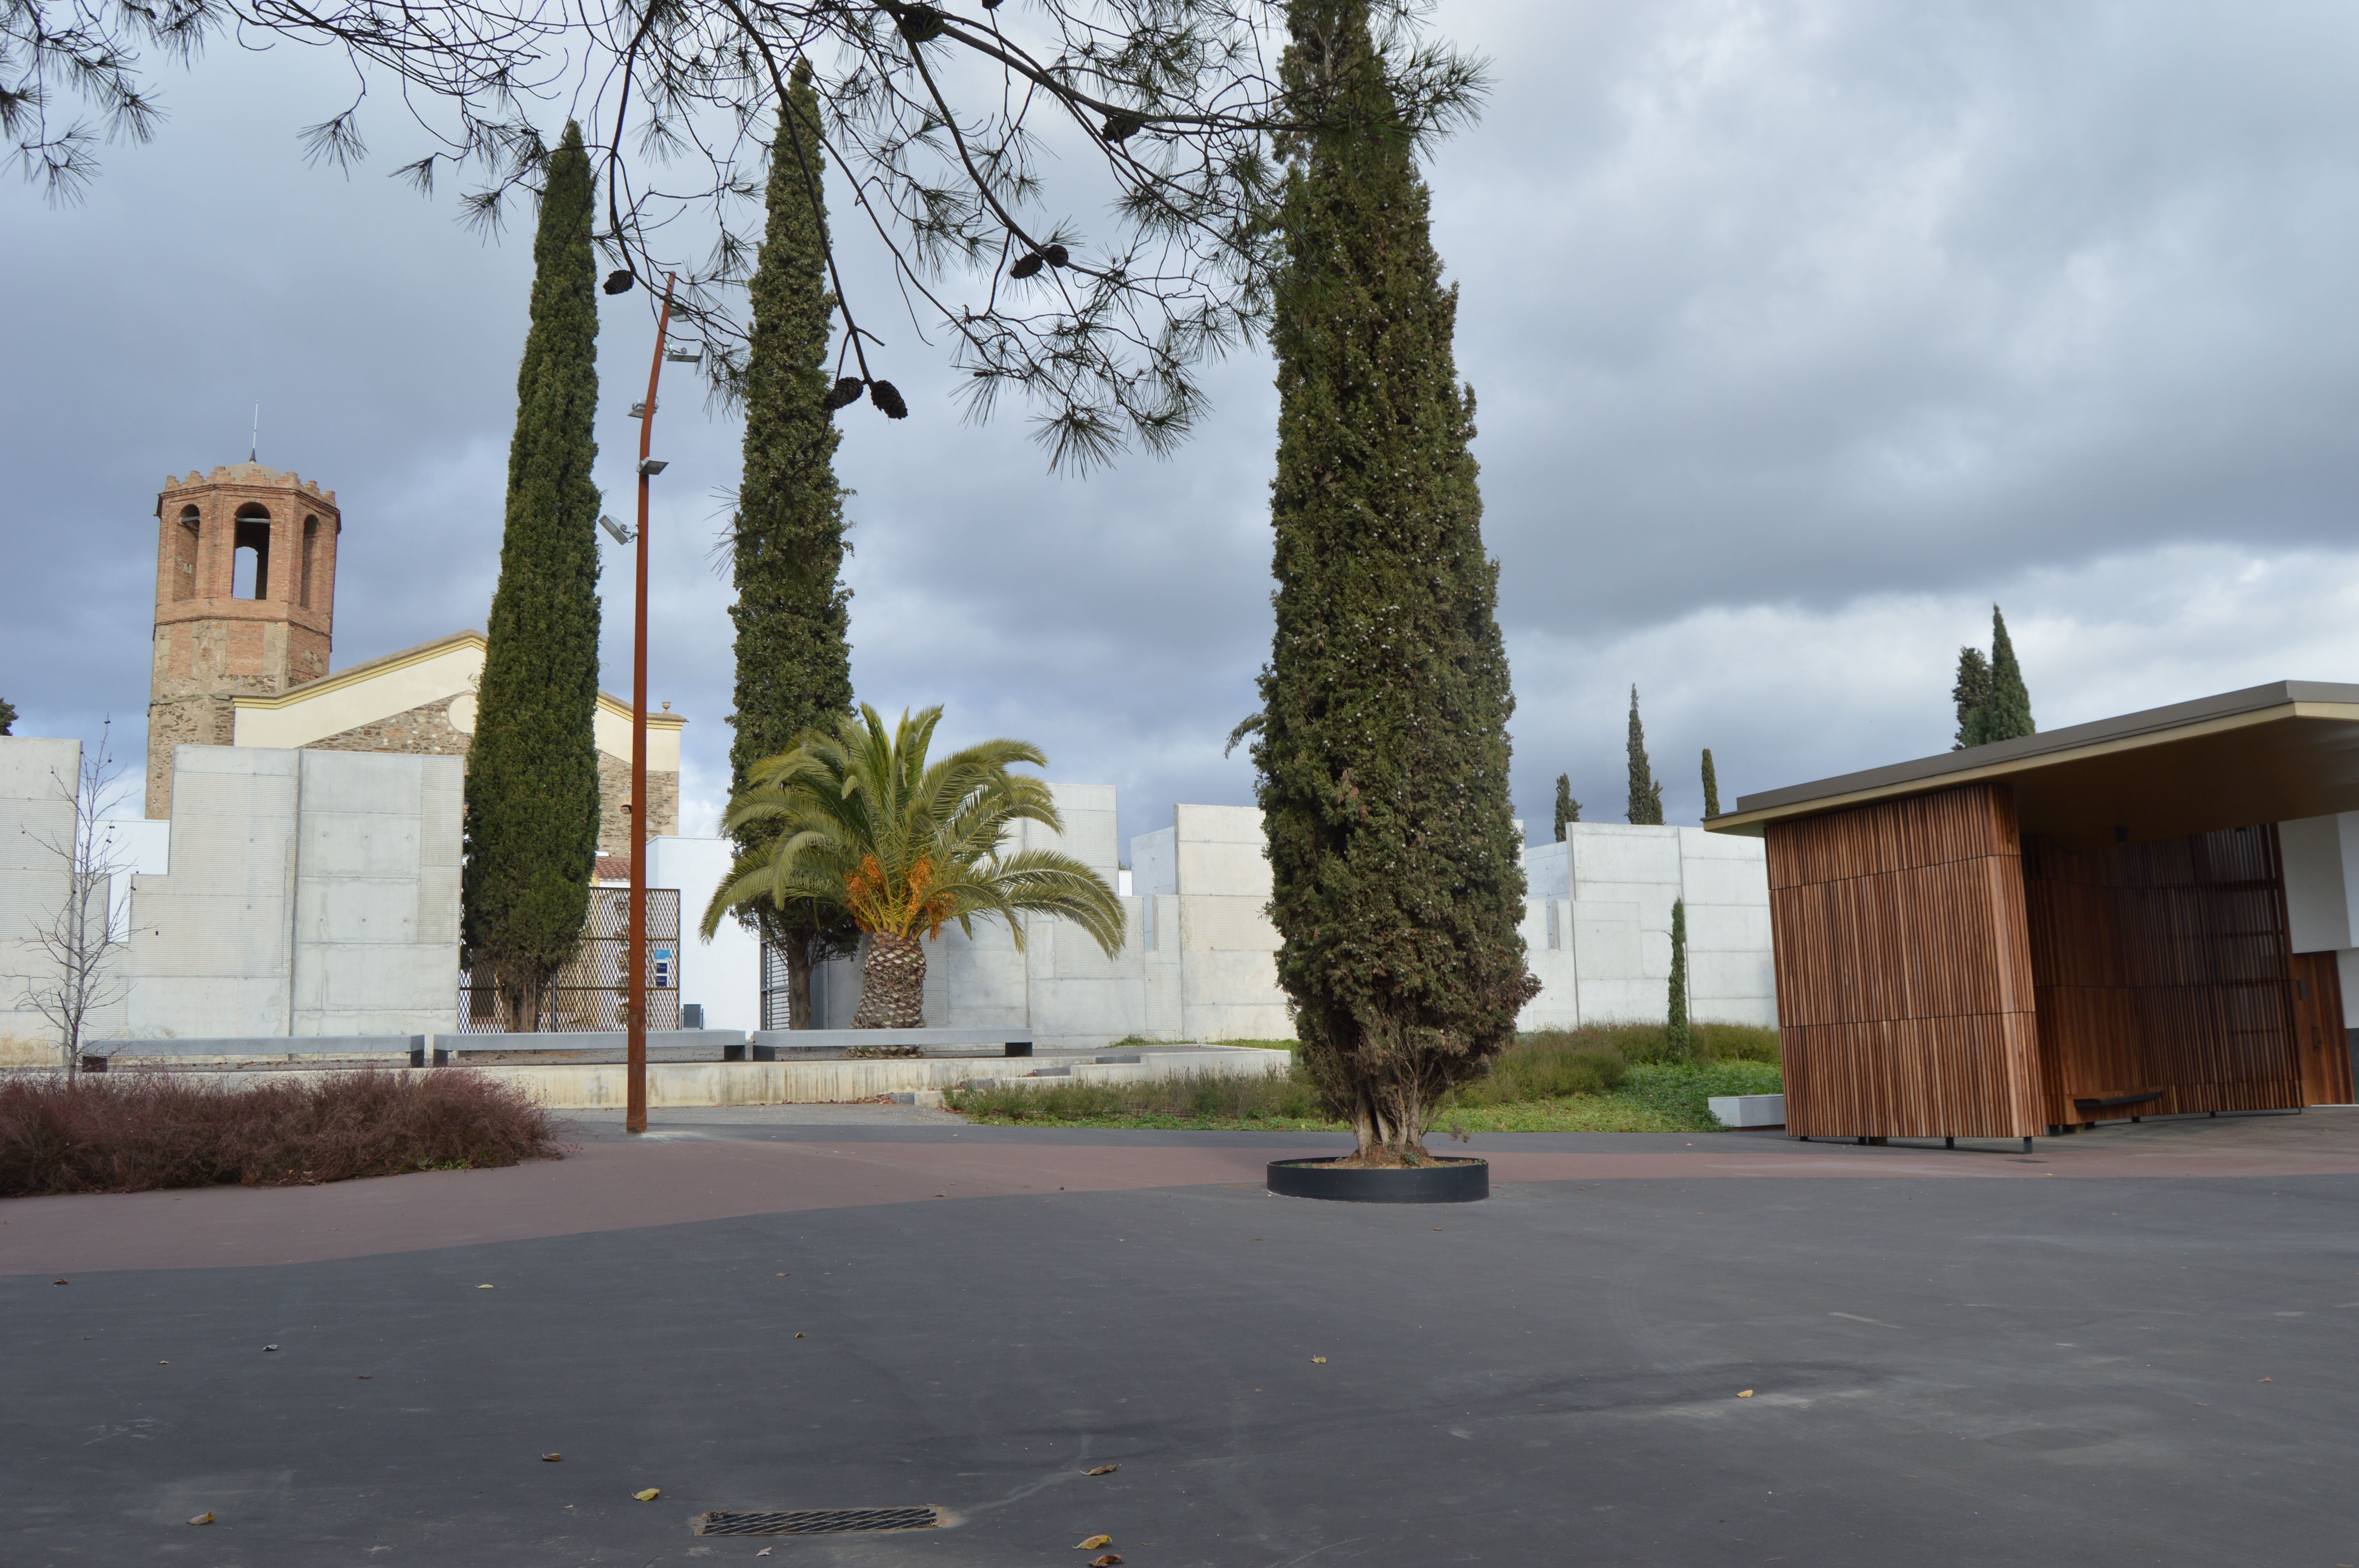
[[1646, 794], [1968, 693], [1568, 810], [1382, 760], [532, 769], [1678, 1036], [2007, 713], [794, 662], [1711, 787]]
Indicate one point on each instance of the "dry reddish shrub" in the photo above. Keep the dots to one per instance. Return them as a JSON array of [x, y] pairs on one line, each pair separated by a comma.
[[123, 1132]]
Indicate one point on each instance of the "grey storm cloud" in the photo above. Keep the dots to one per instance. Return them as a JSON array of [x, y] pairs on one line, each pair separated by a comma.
[[1800, 334]]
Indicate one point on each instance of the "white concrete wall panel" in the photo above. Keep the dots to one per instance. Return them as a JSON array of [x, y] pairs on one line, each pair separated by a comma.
[[1153, 868], [376, 894], [38, 778], [722, 976], [2318, 906]]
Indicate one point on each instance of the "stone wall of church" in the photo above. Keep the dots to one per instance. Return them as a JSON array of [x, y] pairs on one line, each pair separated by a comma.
[[427, 730]]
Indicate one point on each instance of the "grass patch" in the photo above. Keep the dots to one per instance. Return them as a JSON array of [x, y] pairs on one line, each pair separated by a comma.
[[1598, 1078], [124, 1132]]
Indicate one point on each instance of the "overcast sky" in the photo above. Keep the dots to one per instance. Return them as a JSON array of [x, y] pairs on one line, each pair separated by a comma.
[[1800, 334]]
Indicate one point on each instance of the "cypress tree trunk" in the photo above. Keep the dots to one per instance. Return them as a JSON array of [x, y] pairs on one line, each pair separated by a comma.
[[1568, 810], [532, 769], [1645, 794], [794, 662], [1711, 787], [2007, 712], [1970, 693], [1678, 1036], [1397, 880]]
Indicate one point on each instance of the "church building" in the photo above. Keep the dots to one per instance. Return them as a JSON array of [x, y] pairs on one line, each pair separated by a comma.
[[246, 603]]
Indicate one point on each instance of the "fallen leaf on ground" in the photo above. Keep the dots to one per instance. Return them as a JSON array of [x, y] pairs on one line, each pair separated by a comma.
[[201, 1519], [766, 1551], [1318, 1360], [1106, 1560], [1105, 1470], [163, 1363], [1093, 1542], [551, 1458], [1744, 1393], [650, 1495], [485, 1287], [364, 1377], [798, 1335], [270, 1347], [2268, 1379], [56, 1282]]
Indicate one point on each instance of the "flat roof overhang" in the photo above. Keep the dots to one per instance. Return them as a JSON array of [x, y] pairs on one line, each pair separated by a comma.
[[2269, 753]]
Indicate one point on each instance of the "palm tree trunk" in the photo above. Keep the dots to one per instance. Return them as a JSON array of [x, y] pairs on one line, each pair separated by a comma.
[[892, 983]]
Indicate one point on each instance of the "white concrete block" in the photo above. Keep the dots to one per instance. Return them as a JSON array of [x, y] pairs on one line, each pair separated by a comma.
[[1604, 852], [1225, 925], [1548, 870], [1725, 882], [1749, 1110], [1154, 865], [1223, 869], [1734, 928]]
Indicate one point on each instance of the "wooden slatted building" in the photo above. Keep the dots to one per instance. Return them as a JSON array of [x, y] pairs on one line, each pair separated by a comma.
[[2064, 928]]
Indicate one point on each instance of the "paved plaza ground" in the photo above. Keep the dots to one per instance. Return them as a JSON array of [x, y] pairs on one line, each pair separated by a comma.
[[2130, 1346]]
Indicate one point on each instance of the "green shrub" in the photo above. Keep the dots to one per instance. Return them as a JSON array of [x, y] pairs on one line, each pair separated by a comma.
[[1195, 1099], [1551, 1065]]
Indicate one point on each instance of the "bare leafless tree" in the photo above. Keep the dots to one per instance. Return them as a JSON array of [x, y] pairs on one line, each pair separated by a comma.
[[963, 138], [75, 945]]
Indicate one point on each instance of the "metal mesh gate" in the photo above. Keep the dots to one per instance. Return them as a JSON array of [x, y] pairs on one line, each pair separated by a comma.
[[588, 992]]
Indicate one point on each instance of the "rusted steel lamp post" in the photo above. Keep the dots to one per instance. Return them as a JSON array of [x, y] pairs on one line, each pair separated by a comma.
[[635, 1012]]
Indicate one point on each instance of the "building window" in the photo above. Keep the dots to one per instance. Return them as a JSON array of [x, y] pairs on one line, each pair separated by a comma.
[[185, 539], [311, 556], [251, 579]]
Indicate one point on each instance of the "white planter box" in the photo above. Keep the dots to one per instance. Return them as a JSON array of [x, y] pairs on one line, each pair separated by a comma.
[[1750, 1110]]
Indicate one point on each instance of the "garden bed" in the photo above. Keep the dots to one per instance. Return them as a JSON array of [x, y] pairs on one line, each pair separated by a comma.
[[1603, 1078], [133, 1131]]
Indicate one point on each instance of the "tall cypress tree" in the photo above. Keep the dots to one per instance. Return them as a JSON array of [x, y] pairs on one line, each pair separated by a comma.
[[1645, 794], [1382, 760], [2007, 713], [1678, 1036], [1711, 787], [532, 769], [794, 662], [1969, 692], [1568, 810]]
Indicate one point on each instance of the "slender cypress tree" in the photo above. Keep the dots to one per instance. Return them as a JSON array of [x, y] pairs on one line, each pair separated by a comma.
[[1969, 693], [1711, 787], [1568, 810], [1645, 794], [1382, 758], [794, 662], [1679, 1037], [532, 769], [2007, 713]]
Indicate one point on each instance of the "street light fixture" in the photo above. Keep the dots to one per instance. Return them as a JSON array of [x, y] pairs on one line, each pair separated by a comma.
[[622, 536], [635, 1054]]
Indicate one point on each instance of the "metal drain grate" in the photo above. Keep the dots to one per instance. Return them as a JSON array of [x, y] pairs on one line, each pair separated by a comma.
[[818, 1521]]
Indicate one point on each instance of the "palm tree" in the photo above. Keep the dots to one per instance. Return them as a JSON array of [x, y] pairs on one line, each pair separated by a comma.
[[904, 846]]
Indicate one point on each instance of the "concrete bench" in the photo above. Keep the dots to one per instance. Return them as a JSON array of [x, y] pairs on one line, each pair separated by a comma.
[[1749, 1110], [588, 1045], [811, 1044], [257, 1051]]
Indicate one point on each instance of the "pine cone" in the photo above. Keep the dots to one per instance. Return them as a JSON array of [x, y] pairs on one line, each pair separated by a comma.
[[920, 24], [1122, 127], [619, 281], [1024, 265], [1057, 256], [842, 395], [886, 396]]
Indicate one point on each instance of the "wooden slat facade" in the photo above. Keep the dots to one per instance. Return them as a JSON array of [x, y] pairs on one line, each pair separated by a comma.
[[1940, 977], [2318, 1021], [1905, 1006], [2163, 967]]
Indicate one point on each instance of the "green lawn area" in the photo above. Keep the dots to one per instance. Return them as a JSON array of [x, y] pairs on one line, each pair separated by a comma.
[[1610, 1078]]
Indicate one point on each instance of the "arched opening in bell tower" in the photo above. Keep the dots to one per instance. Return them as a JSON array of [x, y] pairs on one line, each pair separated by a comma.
[[250, 576]]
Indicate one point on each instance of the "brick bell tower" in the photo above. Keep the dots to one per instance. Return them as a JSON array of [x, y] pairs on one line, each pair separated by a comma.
[[245, 595]]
